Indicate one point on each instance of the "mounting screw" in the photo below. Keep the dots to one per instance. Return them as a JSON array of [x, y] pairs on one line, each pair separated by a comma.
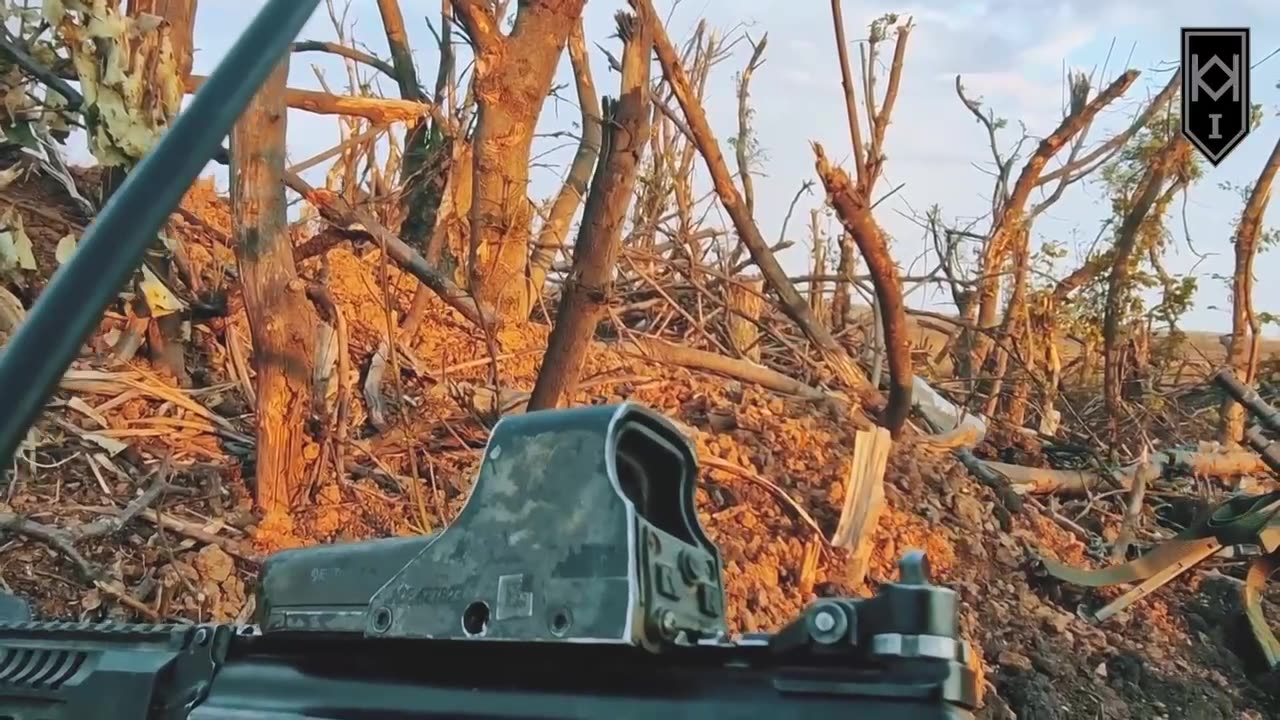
[[828, 623], [382, 619], [667, 625], [824, 621]]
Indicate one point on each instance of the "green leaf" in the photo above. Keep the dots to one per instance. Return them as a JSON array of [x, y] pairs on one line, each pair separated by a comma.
[[21, 134]]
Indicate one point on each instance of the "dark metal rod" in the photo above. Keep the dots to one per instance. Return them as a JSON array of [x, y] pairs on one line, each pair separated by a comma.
[[44, 346], [1260, 409], [1267, 450]]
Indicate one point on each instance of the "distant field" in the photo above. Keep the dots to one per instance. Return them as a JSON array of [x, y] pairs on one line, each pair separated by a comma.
[[1205, 348]]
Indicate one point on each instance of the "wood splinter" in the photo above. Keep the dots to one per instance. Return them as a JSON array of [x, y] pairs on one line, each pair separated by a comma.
[[863, 501]]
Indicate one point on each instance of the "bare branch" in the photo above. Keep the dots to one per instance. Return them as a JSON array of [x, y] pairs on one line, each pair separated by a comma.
[[879, 119], [850, 102], [744, 123], [347, 52], [556, 228], [793, 303], [1104, 152], [1010, 234], [406, 74], [1004, 166], [1049, 146]]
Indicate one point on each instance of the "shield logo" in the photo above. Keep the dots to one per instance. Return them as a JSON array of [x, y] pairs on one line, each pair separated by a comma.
[[1215, 89]]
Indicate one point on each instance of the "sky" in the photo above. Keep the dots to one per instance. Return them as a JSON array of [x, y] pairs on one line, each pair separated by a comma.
[[1010, 53]]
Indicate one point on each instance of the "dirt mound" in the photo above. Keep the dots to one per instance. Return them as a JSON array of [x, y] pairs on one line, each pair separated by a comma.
[[192, 552]]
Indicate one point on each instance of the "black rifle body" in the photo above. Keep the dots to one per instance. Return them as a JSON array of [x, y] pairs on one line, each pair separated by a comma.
[[57, 671]]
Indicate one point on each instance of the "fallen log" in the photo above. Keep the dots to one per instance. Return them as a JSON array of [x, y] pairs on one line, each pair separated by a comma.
[[1209, 461], [955, 428], [671, 354]]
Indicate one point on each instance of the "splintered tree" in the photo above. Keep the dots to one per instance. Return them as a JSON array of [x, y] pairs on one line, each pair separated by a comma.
[[589, 287], [1030, 313], [1021, 342], [1246, 326], [1010, 234], [179, 18], [280, 318], [853, 200], [131, 68], [175, 36], [513, 75]]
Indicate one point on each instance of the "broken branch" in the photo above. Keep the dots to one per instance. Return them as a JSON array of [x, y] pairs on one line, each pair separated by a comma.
[[379, 111], [1199, 463], [338, 211]]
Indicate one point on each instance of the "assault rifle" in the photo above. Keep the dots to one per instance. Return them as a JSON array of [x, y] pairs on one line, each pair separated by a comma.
[[576, 583]]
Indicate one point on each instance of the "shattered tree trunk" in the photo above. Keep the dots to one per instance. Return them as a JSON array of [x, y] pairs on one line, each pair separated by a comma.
[[1245, 328], [863, 501], [1042, 319], [513, 75], [1010, 230], [164, 333], [180, 16], [745, 301], [280, 317], [588, 288], [854, 212]]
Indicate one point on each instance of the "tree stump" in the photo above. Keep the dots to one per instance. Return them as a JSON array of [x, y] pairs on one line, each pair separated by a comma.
[[863, 501]]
